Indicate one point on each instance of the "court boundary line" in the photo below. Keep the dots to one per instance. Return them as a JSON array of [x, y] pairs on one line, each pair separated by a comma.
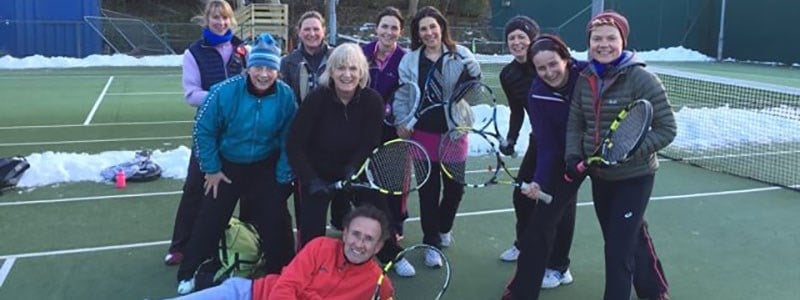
[[88, 198], [77, 75], [98, 101], [97, 141], [6, 269], [414, 219], [95, 124], [104, 197], [144, 93]]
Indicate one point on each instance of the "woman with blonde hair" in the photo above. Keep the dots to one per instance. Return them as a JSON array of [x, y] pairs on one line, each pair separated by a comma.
[[218, 55], [336, 128]]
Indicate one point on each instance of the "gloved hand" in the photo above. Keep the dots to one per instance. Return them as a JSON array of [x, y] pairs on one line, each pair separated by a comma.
[[573, 168], [508, 148], [318, 187]]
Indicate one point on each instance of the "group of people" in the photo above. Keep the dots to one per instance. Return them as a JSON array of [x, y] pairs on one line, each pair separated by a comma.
[[571, 104], [269, 128]]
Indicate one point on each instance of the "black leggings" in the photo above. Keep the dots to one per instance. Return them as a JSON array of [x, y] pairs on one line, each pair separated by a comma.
[[189, 205], [438, 217], [546, 240], [629, 252], [254, 187]]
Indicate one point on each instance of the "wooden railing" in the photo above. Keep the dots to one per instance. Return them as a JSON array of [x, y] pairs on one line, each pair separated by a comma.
[[258, 18]]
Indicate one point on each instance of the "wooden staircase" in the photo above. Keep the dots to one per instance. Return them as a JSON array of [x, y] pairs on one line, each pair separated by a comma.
[[258, 18]]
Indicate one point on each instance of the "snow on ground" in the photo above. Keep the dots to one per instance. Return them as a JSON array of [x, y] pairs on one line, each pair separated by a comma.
[[733, 126]]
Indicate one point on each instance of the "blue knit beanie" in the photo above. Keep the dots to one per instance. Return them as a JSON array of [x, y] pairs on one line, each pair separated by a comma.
[[264, 52]]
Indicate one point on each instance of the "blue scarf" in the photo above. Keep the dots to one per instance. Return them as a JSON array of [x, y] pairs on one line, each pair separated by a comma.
[[601, 68], [214, 39]]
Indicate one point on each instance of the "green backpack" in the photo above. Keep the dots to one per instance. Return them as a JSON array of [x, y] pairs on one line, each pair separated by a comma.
[[240, 255], [239, 251]]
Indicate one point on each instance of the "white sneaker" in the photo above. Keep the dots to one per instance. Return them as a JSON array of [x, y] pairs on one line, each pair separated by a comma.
[[566, 277], [510, 255], [553, 278], [446, 239], [403, 268], [185, 286], [433, 259]]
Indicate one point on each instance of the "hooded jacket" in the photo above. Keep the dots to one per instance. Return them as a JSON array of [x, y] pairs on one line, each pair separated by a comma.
[[596, 103]]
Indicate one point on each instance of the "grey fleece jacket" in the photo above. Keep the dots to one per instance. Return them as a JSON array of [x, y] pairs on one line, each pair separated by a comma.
[[452, 68]]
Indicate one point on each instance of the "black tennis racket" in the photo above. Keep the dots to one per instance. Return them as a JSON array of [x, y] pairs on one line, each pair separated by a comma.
[[467, 148], [472, 105], [404, 93], [427, 281], [625, 134], [431, 99], [396, 167]]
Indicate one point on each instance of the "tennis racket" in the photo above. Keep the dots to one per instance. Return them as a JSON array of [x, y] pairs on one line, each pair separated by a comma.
[[405, 93], [625, 134], [431, 99], [427, 281], [396, 167], [472, 105], [462, 148]]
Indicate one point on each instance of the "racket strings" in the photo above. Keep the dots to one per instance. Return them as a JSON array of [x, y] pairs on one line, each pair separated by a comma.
[[454, 157], [473, 106], [399, 167], [406, 93], [428, 283], [627, 134]]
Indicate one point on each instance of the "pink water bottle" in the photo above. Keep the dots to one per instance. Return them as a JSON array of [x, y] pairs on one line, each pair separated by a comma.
[[120, 179]]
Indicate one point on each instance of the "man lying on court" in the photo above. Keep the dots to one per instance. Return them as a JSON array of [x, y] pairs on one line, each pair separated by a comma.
[[326, 268]]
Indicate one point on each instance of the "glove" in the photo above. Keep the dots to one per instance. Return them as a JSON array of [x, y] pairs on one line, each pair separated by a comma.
[[508, 149], [318, 187], [573, 171]]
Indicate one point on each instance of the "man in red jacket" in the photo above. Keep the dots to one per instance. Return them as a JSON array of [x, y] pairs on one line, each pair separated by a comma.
[[326, 268]]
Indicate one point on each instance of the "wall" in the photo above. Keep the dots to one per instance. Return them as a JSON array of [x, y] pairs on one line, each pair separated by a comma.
[[48, 27]]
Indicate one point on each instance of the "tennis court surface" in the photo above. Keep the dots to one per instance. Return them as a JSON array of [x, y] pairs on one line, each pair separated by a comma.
[[728, 230]]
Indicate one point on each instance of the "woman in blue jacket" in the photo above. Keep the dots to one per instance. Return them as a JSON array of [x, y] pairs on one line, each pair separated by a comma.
[[239, 136]]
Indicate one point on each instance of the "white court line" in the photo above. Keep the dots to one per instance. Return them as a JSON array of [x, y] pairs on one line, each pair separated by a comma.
[[98, 101], [5, 269], [97, 141], [414, 219], [144, 94], [39, 77], [76, 199], [693, 158], [85, 250], [94, 124]]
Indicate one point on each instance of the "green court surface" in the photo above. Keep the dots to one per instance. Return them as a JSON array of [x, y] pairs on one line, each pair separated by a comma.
[[719, 236]]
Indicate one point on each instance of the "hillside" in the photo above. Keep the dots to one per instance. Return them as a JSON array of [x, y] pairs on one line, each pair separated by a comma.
[[173, 18]]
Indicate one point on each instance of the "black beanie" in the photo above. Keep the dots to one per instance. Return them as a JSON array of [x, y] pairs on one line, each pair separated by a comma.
[[527, 25]]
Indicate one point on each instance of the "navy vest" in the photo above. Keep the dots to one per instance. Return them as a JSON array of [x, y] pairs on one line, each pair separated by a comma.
[[210, 63]]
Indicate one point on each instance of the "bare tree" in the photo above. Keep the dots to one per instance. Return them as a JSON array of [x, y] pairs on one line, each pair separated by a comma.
[[412, 7], [444, 6]]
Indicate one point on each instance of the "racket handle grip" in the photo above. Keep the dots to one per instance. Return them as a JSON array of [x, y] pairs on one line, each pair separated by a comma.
[[338, 185], [411, 123], [545, 197]]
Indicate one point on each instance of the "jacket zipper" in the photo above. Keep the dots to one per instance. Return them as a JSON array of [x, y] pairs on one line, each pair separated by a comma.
[[255, 128]]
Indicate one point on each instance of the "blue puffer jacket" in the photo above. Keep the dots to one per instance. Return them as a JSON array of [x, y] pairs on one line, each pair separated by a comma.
[[235, 125]]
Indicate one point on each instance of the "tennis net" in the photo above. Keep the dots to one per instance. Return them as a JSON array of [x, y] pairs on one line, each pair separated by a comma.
[[733, 126]]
